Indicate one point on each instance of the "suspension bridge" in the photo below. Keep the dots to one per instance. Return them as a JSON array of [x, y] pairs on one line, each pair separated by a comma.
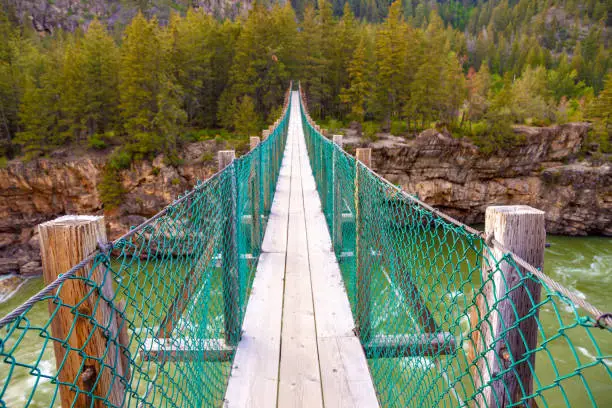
[[297, 277]]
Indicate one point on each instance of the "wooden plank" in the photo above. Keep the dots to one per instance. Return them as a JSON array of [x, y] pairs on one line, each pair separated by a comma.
[[185, 349], [254, 377], [408, 345], [300, 381], [275, 238], [255, 370], [346, 380], [345, 377]]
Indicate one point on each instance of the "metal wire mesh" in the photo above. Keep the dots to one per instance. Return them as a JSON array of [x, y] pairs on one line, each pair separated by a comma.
[[415, 283], [180, 285]]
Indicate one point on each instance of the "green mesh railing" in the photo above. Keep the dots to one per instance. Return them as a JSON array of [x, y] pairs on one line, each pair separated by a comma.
[[180, 280], [417, 300]]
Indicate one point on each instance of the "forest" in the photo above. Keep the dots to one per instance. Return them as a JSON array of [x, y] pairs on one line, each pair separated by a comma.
[[471, 67]]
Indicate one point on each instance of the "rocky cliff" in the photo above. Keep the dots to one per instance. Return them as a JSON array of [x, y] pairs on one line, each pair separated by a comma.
[[450, 174], [66, 183], [544, 171], [49, 16]]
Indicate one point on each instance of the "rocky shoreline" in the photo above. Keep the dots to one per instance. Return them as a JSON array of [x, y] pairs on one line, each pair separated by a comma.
[[547, 171]]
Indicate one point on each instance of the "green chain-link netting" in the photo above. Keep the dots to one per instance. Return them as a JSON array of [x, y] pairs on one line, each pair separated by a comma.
[[415, 303], [180, 288]]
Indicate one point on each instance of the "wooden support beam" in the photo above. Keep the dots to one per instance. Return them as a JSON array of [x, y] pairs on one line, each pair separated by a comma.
[[185, 349], [89, 328], [363, 277], [190, 285], [255, 195], [229, 261], [410, 345], [507, 331], [337, 197]]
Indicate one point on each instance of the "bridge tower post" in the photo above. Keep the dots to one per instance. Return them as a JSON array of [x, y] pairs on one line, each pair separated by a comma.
[[85, 319], [506, 340], [265, 175], [229, 252], [337, 198], [363, 276], [255, 196]]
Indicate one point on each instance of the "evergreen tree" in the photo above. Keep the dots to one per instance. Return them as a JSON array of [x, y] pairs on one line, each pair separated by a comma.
[[246, 120], [40, 112], [600, 113], [391, 63], [357, 94], [90, 72]]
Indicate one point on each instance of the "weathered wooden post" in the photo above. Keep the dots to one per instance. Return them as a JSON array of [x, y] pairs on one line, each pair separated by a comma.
[[83, 316], [255, 196], [362, 275], [510, 333], [337, 198], [265, 174], [229, 252]]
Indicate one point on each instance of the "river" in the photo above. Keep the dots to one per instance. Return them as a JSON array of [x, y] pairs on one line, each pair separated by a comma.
[[583, 264]]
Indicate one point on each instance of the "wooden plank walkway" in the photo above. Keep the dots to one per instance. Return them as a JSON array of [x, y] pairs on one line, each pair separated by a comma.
[[298, 348]]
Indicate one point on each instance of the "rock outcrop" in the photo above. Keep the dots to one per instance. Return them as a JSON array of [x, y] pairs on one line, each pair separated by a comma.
[[49, 16], [544, 171], [450, 174], [66, 183]]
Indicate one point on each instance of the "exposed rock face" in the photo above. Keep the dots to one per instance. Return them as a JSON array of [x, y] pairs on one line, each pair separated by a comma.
[[454, 176], [450, 174], [49, 16], [66, 183]]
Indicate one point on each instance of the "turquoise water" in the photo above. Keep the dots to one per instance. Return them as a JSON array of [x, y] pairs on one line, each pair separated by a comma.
[[584, 265]]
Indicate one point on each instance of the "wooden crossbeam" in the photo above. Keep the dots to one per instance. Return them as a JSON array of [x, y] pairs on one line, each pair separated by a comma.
[[410, 345], [189, 286], [186, 350]]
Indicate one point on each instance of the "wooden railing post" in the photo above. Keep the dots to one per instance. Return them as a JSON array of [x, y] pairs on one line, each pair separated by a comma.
[[265, 175], [255, 196], [337, 198], [510, 332], [84, 322], [229, 254], [362, 275]]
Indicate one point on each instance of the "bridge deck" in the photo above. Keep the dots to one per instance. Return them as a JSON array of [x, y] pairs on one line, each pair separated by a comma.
[[298, 348]]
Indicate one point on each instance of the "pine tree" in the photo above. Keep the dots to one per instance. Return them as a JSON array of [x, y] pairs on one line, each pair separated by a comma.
[[40, 110], [600, 112], [391, 63], [357, 94], [313, 63], [246, 120], [139, 77], [151, 97], [256, 69], [90, 72], [10, 80]]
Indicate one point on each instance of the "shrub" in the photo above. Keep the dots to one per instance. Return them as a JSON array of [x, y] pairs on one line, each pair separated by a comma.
[[120, 159], [369, 130], [398, 127], [96, 142]]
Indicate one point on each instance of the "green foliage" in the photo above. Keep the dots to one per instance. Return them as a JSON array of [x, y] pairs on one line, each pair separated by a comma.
[[246, 121], [95, 141], [447, 62], [110, 188], [370, 129], [398, 127], [600, 112]]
